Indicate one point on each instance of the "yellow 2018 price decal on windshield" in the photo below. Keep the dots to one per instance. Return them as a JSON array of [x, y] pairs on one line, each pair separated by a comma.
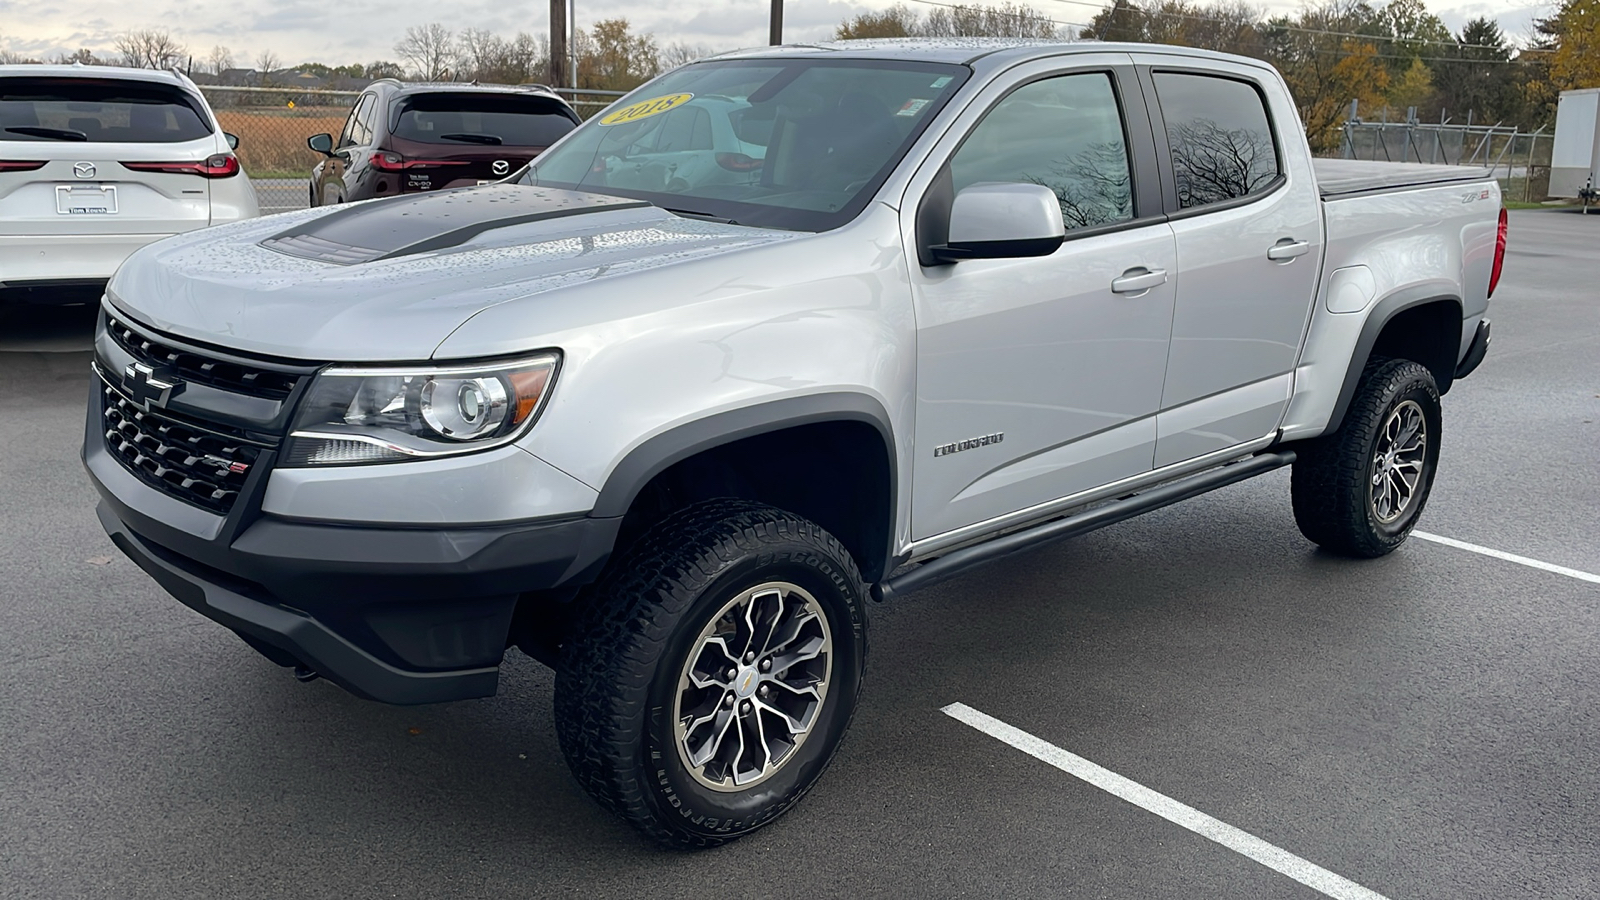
[[644, 109]]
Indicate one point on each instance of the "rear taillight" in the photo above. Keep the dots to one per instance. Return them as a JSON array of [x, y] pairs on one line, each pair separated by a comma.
[[1499, 253], [394, 162], [20, 165], [738, 162], [223, 165]]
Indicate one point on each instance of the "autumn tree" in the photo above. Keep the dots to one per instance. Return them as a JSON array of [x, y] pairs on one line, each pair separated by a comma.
[[150, 49], [1325, 67], [1575, 62], [612, 58], [1413, 89], [897, 21], [1008, 19]]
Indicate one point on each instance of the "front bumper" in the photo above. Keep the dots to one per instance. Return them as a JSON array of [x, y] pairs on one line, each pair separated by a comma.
[[401, 615]]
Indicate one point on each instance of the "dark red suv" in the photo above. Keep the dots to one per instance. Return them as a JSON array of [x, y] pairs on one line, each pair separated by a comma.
[[407, 138]]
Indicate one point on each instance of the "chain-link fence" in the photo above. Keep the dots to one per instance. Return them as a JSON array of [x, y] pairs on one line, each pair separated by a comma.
[[272, 124], [1520, 159]]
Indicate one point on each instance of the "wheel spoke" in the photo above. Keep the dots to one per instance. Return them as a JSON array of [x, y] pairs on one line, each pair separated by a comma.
[[753, 687]]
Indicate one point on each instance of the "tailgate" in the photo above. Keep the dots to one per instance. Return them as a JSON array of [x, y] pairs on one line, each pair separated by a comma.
[[88, 190]]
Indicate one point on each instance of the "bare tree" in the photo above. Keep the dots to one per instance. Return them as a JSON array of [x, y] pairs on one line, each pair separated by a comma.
[[219, 60], [82, 56], [429, 50], [679, 53], [150, 49], [267, 62]]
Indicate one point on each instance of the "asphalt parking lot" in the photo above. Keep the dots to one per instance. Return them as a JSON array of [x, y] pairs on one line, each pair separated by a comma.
[[1424, 726]]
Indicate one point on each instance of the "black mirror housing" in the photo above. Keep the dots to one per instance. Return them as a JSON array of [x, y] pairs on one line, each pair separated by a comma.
[[322, 143]]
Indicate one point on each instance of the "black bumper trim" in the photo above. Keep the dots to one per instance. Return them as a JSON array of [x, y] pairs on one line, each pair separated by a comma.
[[301, 636]]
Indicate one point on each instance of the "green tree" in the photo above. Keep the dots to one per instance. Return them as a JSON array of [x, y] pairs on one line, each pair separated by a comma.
[[1414, 89], [1478, 75]]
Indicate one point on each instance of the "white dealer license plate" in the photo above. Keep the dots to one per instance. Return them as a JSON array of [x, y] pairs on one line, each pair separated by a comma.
[[86, 200]]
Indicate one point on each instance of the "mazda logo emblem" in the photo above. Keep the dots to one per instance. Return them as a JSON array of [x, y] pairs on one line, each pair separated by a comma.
[[500, 167], [150, 386], [83, 169]]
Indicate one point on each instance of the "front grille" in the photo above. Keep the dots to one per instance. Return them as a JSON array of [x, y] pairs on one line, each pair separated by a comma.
[[197, 466], [229, 376]]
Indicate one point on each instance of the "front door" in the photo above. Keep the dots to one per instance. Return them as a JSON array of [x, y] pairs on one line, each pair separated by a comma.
[[1036, 379]]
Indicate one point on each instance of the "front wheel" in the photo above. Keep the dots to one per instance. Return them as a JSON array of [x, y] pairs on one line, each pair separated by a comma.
[[713, 673], [1359, 491]]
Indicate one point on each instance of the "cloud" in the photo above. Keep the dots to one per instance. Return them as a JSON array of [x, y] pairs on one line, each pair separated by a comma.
[[365, 30]]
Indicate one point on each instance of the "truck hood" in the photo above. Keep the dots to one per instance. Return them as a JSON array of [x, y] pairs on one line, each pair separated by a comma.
[[391, 279]]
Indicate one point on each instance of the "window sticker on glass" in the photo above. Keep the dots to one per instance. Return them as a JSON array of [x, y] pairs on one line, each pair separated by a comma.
[[644, 109], [940, 82], [912, 107]]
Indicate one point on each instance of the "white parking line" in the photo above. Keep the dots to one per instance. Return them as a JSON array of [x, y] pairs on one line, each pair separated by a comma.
[[1242, 842], [1508, 557]]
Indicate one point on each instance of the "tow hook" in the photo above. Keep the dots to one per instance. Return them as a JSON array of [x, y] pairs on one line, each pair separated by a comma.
[[305, 675]]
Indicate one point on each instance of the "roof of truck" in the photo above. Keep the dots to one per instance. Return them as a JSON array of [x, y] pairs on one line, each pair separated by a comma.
[[964, 50]]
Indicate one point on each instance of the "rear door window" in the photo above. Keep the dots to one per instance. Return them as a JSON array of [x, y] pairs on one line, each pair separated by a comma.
[[97, 110], [464, 119], [1219, 137], [1064, 133]]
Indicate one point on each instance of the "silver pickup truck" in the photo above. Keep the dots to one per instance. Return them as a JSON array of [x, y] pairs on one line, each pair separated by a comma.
[[780, 332]]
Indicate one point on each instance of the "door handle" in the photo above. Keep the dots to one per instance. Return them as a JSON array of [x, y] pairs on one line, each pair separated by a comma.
[[1138, 280], [1288, 248]]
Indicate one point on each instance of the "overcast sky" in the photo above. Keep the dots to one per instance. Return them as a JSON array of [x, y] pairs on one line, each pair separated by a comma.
[[366, 30]]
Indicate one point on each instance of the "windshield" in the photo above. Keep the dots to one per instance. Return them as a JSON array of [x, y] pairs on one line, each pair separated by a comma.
[[483, 118], [799, 144], [86, 109]]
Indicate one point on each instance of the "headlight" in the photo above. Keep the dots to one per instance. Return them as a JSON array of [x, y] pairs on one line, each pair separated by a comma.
[[372, 415]]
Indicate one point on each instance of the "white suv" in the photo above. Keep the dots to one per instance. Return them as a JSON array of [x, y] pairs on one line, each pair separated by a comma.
[[96, 162]]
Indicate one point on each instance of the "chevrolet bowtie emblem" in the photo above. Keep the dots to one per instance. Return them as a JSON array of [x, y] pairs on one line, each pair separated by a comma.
[[150, 386]]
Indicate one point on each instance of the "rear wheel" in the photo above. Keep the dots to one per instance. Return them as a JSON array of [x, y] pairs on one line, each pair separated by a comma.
[[707, 684], [1359, 491]]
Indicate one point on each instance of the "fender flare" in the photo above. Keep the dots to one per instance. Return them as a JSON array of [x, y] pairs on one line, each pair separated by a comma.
[[1381, 314], [658, 453]]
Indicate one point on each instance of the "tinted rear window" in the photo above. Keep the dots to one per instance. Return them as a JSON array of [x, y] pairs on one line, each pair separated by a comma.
[[486, 119], [102, 111], [1220, 136]]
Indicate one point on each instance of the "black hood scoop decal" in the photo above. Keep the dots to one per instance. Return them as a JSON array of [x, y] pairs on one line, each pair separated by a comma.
[[404, 226]]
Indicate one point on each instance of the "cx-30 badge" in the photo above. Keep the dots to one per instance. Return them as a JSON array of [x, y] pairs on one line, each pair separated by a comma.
[[83, 169], [500, 167], [149, 386]]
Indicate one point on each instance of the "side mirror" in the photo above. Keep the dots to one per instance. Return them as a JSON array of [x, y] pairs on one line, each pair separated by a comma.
[[1003, 220], [322, 143], [233, 140]]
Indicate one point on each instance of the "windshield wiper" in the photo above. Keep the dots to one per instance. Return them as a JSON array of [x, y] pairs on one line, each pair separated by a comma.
[[60, 134], [692, 214], [474, 138]]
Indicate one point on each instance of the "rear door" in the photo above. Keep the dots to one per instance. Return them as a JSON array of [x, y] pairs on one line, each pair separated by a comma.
[[80, 156], [1038, 379], [1248, 222]]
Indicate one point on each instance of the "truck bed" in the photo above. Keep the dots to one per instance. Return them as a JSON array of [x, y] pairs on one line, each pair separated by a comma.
[[1343, 177]]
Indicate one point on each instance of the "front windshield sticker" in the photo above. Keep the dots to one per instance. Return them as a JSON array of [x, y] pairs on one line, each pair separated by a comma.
[[644, 109], [912, 107], [940, 82]]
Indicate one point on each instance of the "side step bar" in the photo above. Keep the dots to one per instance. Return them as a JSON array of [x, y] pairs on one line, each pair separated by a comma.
[[958, 561]]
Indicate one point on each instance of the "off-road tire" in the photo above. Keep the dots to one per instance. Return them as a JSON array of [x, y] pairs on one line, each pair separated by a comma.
[[1331, 485], [620, 666]]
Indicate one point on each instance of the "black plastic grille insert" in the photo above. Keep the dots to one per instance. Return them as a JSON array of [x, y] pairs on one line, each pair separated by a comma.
[[199, 467], [191, 366]]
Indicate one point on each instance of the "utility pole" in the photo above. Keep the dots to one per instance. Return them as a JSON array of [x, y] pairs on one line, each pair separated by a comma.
[[558, 42], [775, 37]]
